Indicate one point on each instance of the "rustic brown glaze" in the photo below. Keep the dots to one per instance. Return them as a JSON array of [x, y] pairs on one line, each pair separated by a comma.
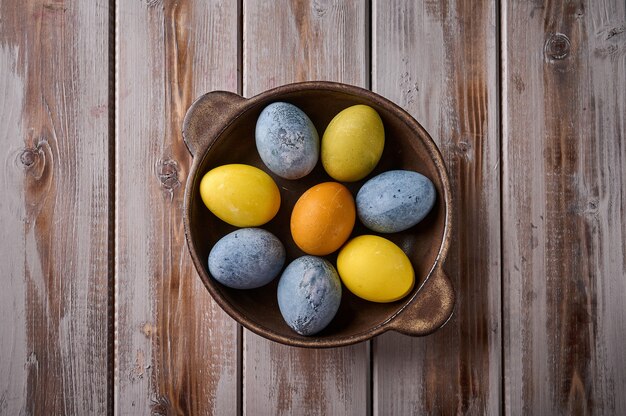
[[219, 129]]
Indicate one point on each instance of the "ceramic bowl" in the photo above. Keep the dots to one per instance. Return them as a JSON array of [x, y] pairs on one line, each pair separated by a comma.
[[219, 129]]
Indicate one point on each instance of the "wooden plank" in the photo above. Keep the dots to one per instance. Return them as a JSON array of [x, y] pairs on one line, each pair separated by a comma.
[[54, 207], [306, 41], [564, 196], [438, 60], [176, 349]]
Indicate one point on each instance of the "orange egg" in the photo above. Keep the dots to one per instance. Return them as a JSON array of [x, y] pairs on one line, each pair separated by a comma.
[[323, 218]]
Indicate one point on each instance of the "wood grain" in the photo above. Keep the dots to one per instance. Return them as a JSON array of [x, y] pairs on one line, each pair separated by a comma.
[[560, 218], [564, 194], [289, 41], [176, 349], [438, 61], [54, 207]]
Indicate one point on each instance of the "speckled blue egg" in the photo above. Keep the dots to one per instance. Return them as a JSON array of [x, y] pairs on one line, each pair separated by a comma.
[[395, 200], [247, 258], [287, 140], [309, 293]]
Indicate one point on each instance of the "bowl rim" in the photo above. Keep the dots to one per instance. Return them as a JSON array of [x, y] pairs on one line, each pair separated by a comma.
[[245, 105]]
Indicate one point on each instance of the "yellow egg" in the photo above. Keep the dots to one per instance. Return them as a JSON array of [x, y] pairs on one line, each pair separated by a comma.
[[353, 143], [241, 195], [375, 269]]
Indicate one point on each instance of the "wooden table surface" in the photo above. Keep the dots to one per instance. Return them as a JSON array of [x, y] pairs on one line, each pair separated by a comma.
[[101, 309]]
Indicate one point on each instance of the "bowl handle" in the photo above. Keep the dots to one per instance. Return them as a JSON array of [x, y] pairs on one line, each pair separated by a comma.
[[430, 310], [207, 116]]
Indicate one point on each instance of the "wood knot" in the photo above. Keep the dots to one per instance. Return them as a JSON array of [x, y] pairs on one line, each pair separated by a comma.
[[148, 329], [463, 147], [580, 13], [167, 171], [319, 9], [557, 46], [615, 31], [32, 359], [592, 208], [35, 160], [160, 406], [29, 157], [518, 83], [55, 7]]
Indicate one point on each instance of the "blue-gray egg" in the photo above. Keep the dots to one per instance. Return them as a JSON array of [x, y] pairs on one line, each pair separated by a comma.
[[309, 293], [395, 200], [247, 258], [287, 140]]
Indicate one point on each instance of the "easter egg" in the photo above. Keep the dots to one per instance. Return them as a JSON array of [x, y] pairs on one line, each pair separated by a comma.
[[375, 269], [246, 258], [287, 140], [241, 195], [322, 218], [353, 143], [395, 200], [309, 294]]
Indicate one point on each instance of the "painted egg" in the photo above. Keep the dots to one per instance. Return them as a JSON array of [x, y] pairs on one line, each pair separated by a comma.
[[353, 143], [287, 140], [246, 258], [375, 269], [395, 200], [309, 293], [241, 195], [323, 218]]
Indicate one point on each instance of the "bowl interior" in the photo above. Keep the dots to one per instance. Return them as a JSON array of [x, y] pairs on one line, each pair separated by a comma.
[[405, 148]]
